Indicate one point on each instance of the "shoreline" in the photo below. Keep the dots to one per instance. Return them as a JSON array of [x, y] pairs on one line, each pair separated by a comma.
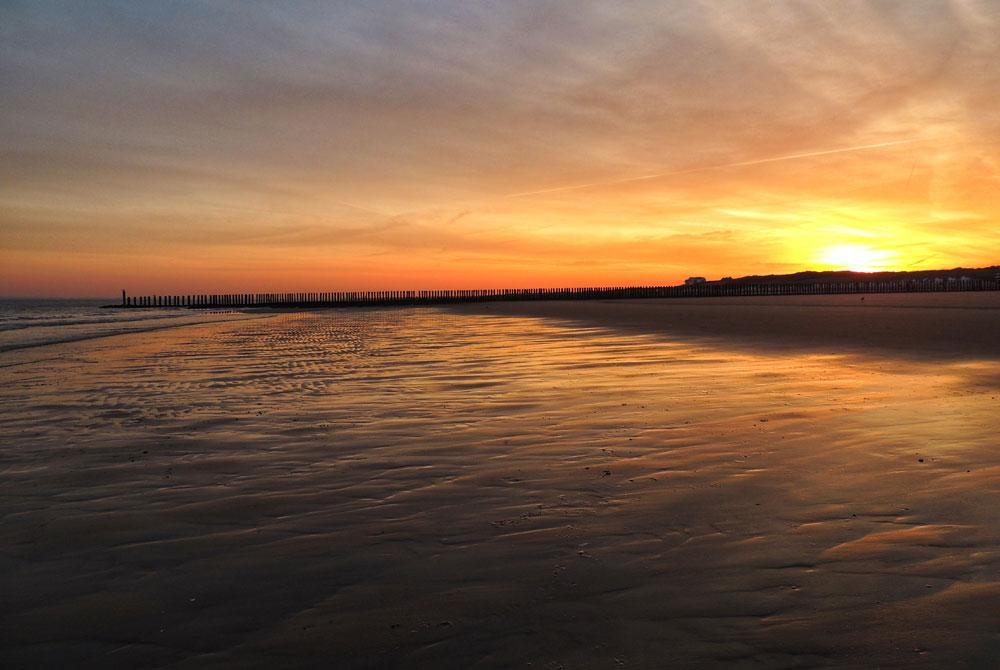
[[147, 328], [947, 325]]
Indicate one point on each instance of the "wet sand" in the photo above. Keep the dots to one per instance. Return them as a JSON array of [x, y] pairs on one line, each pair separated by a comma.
[[535, 485], [941, 325]]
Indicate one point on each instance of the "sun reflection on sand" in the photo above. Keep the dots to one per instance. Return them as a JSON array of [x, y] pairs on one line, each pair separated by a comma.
[[433, 488]]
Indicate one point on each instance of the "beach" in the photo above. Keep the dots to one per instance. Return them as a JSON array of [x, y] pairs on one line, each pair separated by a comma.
[[752, 482]]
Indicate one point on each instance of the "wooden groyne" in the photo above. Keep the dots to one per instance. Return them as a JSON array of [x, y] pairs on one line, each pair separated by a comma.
[[443, 297]]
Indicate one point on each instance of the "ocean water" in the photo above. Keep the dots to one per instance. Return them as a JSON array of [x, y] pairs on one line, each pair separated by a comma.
[[28, 323]]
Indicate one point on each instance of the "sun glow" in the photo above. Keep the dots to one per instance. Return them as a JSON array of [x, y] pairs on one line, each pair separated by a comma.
[[390, 165], [857, 257]]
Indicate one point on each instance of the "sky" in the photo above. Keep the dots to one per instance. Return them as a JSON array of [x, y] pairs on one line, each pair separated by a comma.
[[179, 147]]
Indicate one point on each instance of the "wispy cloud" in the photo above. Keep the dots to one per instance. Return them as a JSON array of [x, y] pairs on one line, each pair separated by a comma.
[[435, 134], [723, 166]]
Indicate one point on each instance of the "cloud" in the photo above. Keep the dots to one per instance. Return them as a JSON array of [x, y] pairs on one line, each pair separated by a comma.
[[234, 124]]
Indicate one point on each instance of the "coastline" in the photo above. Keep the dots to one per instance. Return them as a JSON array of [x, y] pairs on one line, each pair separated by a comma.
[[27, 323]]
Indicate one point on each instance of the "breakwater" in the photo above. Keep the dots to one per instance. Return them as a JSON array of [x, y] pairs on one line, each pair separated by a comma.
[[439, 297]]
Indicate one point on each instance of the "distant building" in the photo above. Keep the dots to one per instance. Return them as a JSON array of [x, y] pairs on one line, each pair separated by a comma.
[[691, 281]]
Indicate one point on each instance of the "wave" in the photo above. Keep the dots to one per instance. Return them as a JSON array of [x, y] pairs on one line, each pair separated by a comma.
[[23, 322], [65, 335]]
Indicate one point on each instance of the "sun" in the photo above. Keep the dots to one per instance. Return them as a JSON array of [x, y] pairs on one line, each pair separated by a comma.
[[856, 257]]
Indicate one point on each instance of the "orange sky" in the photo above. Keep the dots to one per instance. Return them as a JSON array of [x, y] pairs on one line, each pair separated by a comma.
[[222, 147]]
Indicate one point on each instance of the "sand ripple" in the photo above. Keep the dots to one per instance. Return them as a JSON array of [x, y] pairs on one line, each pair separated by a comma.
[[422, 488]]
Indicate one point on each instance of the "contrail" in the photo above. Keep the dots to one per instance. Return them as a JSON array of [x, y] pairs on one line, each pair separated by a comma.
[[269, 210], [921, 261], [758, 161]]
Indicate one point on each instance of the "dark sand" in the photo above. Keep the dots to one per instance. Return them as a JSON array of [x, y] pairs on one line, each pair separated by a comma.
[[622, 485], [942, 325]]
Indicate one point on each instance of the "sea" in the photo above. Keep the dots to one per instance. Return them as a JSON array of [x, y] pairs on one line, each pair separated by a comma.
[[32, 322]]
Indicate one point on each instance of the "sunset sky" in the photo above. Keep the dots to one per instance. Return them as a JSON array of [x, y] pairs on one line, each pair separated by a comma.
[[180, 147]]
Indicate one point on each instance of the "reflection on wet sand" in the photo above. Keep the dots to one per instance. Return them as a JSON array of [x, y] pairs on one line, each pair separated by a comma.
[[927, 325], [442, 487]]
